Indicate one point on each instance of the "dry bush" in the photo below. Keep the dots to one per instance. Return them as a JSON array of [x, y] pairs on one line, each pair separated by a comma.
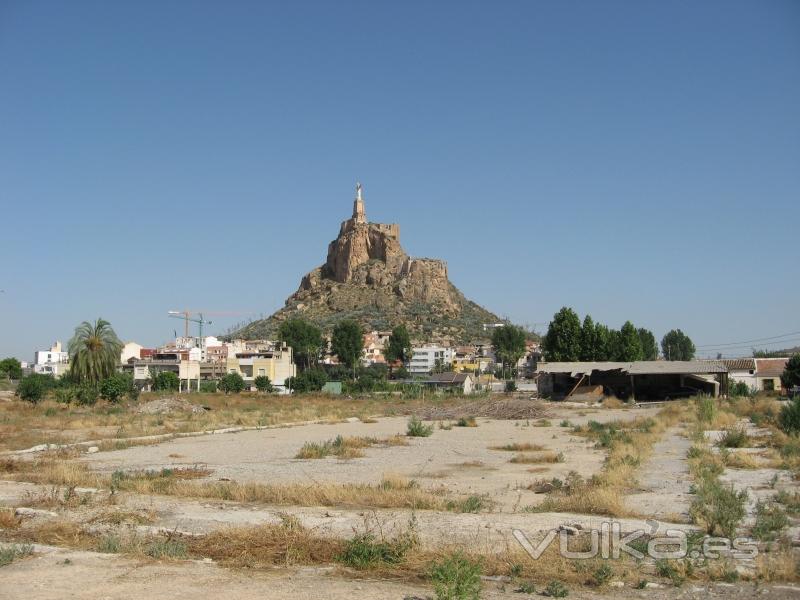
[[346, 447], [612, 402], [518, 447], [589, 500], [8, 520], [123, 444], [541, 457], [740, 460], [287, 543], [777, 566], [9, 465]]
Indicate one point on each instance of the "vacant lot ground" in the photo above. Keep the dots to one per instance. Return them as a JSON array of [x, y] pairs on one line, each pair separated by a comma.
[[462, 460], [352, 506]]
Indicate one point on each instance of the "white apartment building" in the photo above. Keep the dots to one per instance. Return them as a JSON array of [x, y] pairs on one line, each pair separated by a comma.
[[54, 361], [424, 359]]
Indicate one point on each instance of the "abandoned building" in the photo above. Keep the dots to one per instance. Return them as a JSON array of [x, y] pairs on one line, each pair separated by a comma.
[[640, 380]]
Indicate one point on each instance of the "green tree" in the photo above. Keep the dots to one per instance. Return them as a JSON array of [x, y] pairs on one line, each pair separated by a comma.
[[94, 351], [34, 387], [509, 344], [263, 384], [304, 338], [87, 394], [629, 347], [232, 383], [164, 381], [563, 339], [648, 343], [310, 380], [115, 387], [614, 345], [590, 349], [676, 345], [603, 343], [399, 345], [11, 368], [347, 342], [791, 372]]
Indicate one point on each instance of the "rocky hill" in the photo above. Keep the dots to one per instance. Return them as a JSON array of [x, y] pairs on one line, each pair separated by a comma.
[[368, 277]]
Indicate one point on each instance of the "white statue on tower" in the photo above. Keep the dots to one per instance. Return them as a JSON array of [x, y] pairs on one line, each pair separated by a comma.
[[359, 215]]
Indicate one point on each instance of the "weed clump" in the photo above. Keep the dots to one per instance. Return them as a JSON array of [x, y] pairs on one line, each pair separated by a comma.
[[11, 553], [719, 508], [416, 428], [456, 577], [770, 520], [734, 437], [365, 550], [556, 589]]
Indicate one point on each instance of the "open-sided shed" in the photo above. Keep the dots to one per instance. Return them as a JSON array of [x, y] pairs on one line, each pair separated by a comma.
[[642, 380]]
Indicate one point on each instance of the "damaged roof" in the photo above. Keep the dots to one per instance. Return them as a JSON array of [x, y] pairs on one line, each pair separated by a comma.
[[639, 367]]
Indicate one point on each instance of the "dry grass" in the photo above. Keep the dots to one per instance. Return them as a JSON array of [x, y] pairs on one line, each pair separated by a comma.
[[740, 460], [777, 566], [393, 492], [629, 444], [613, 402], [8, 520], [285, 544], [471, 464], [123, 444], [346, 447], [519, 447], [23, 424], [541, 457]]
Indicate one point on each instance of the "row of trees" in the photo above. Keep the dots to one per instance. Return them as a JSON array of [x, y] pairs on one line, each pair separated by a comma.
[[347, 343], [568, 339]]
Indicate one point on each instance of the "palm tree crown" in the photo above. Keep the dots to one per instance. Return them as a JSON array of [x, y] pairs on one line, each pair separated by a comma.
[[94, 351]]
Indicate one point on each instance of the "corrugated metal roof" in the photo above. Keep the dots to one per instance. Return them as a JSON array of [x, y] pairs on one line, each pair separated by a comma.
[[641, 367], [734, 364], [676, 367], [576, 369]]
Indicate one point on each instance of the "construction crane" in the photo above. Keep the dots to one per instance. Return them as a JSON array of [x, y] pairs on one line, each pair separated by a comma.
[[185, 315]]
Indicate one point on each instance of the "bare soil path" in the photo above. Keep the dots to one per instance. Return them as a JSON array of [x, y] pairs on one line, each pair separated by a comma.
[[664, 481]]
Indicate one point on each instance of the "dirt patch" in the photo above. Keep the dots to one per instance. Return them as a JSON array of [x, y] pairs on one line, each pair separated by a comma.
[[513, 409], [165, 406]]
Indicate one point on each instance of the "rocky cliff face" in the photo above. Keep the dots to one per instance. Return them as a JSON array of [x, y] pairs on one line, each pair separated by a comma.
[[368, 277]]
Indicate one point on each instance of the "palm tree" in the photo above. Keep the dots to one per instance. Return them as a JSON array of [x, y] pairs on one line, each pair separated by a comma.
[[94, 351]]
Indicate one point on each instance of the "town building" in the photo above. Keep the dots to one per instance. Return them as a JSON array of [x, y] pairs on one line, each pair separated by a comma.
[[130, 350], [740, 370], [145, 370], [276, 363], [374, 345], [461, 383], [768, 374], [54, 361], [426, 359], [217, 354]]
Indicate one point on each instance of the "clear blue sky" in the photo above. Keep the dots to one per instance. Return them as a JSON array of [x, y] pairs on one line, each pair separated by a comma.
[[634, 160]]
